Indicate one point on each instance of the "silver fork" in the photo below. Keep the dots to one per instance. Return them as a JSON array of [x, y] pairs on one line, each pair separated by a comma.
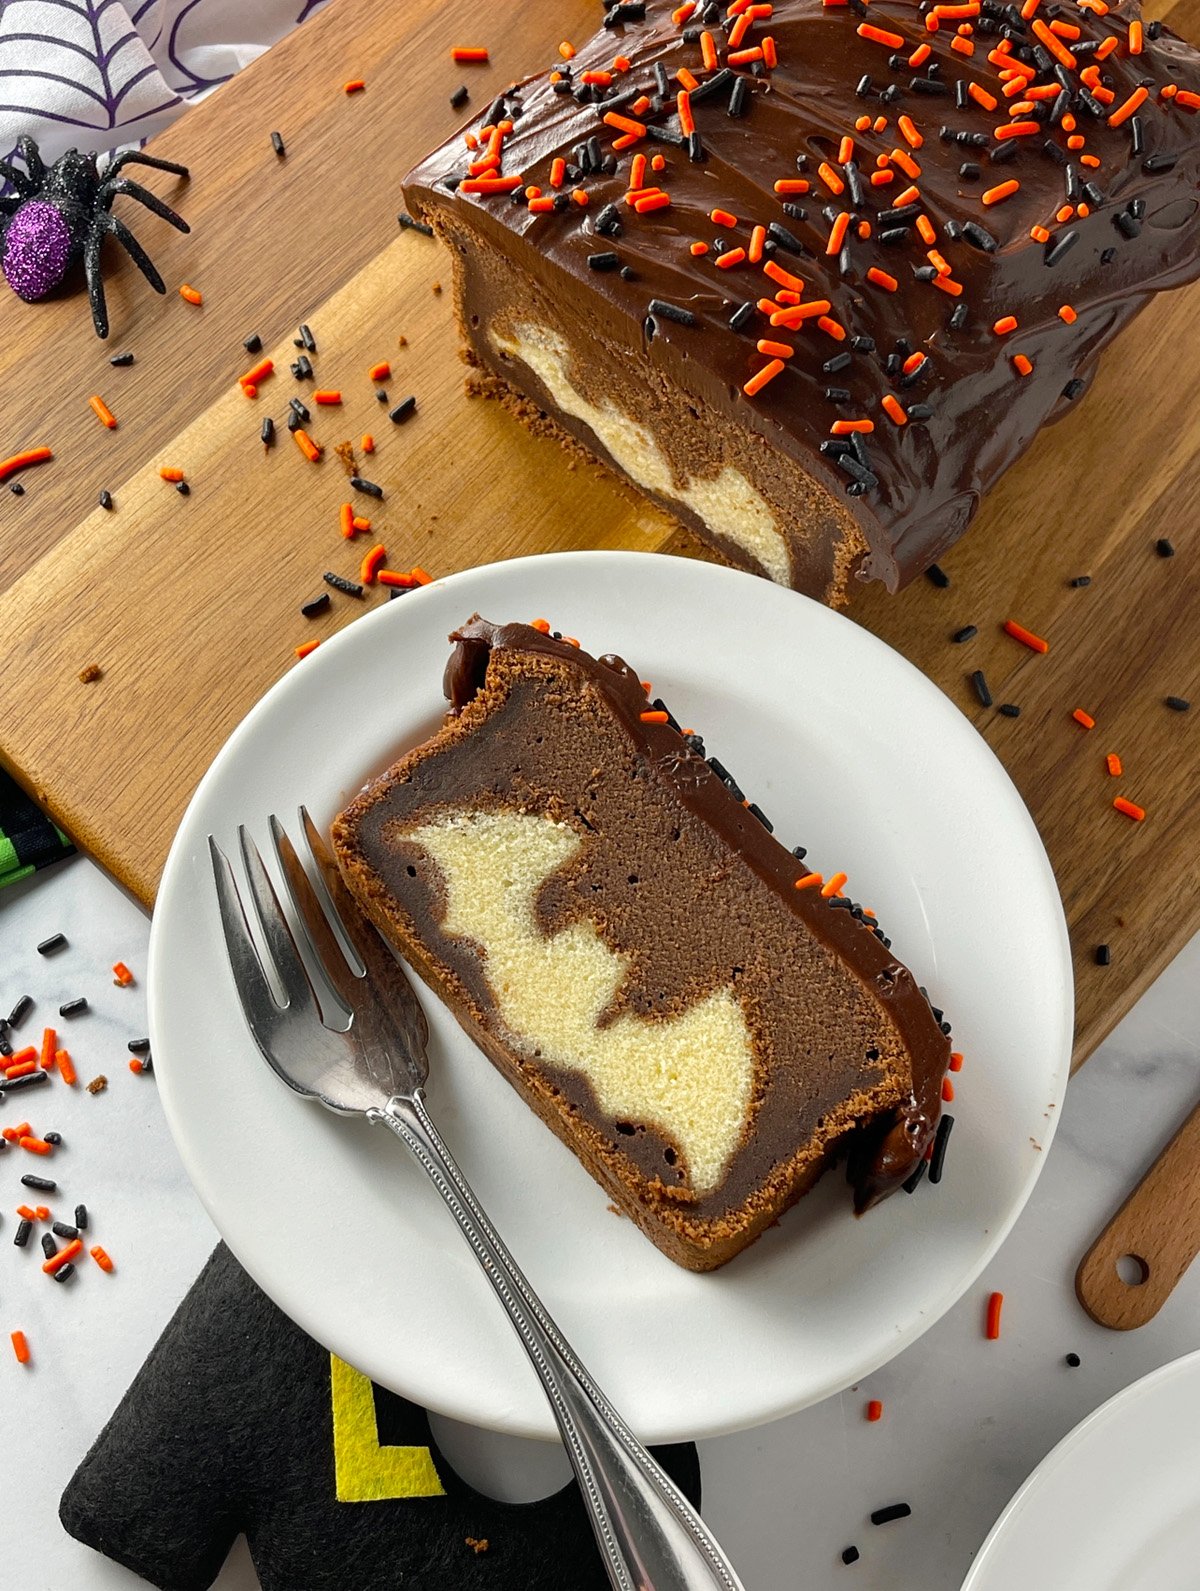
[[372, 1062]]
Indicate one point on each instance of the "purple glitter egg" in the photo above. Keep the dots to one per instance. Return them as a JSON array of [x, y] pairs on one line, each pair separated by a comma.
[[37, 250]]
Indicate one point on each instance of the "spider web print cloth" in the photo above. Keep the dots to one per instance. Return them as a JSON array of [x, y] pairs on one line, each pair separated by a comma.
[[93, 74]]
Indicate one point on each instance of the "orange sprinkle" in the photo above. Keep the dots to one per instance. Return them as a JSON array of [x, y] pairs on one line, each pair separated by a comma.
[[1019, 130], [1039, 234], [43, 1212], [810, 881], [796, 314], [739, 30], [1054, 44], [946, 284], [49, 1045], [301, 651], [372, 562], [845, 427], [864, 230], [832, 328], [891, 41], [652, 201], [1085, 720], [708, 50], [758, 242], [1064, 213], [346, 520], [683, 107], [1026, 637], [260, 373], [396, 580], [170, 472], [792, 185], [699, 249], [360, 523], [327, 395], [775, 350], [654, 717], [423, 579], [20, 1347], [567, 50], [837, 233], [26, 1213], [1135, 37], [637, 172], [845, 150], [879, 124], [909, 132], [368, 446], [745, 57], [833, 886], [1022, 364], [191, 294], [20, 1068], [1089, 160], [761, 377], [919, 56], [928, 232], [894, 409], [467, 55], [102, 412], [581, 197], [100, 1257], [66, 1067], [64, 1256], [122, 976], [1002, 190], [1004, 325], [956, 1061], [1113, 763], [20, 461], [947, 1091], [35, 1146], [136, 1066], [777, 273], [874, 1410], [489, 184], [996, 1302], [1130, 809], [882, 279], [914, 360], [909, 196], [542, 626], [1125, 110], [829, 177], [963, 47], [722, 218], [307, 446], [861, 124], [880, 179]]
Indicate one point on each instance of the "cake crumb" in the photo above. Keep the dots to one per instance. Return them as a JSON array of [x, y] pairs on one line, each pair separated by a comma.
[[345, 452], [90, 673], [403, 343], [477, 1546], [98, 1084], [437, 287]]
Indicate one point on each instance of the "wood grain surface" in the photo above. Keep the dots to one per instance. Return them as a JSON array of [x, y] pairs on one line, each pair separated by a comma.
[[1156, 1233], [190, 605]]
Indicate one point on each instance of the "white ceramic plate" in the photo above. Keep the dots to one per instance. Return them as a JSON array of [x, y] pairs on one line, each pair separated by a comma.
[[853, 753], [1116, 1505]]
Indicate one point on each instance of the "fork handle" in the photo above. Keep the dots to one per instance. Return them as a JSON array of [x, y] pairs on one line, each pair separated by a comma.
[[650, 1537]]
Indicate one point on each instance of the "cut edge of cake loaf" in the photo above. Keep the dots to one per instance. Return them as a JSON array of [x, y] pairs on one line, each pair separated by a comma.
[[414, 847], [752, 505]]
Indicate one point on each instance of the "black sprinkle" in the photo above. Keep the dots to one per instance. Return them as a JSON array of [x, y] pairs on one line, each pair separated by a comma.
[[1081, 580], [380, 395], [1162, 547], [799, 852], [1102, 956], [183, 488], [73, 1007], [121, 360], [301, 410], [49, 1246], [937, 1160], [30, 1080], [967, 633], [267, 434], [911, 1184], [1058, 248], [739, 94], [628, 274], [980, 237], [1127, 225], [607, 261], [340, 583], [21, 1237], [306, 337], [758, 812], [920, 411], [317, 605], [1107, 256], [741, 315], [1178, 704], [81, 1217], [1159, 162], [884, 1516], [981, 688], [138, 1046], [1009, 709], [849, 1554], [667, 311], [460, 96], [369, 487], [277, 144], [1073, 388], [106, 499], [253, 343], [62, 1229], [1074, 1360], [42, 1184], [608, 222], [404, 410], [20, 1011], [937, 576], [959, 318], [49, 946], [411, 224], [52, 1137], [785, 239], [65, 1272]]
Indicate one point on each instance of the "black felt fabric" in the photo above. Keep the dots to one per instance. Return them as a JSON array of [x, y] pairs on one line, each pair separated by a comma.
[[228, 1428]]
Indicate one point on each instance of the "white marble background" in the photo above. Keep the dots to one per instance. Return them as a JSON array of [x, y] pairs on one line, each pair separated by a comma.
[[965, 1420]]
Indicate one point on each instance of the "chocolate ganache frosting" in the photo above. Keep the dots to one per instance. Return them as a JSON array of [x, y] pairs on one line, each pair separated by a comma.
[[934, 216]]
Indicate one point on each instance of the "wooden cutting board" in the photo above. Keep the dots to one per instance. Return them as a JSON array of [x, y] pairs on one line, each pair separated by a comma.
[[190, 605]]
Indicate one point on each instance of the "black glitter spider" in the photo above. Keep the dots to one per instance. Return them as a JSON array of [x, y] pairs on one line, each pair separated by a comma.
[[62, 211]]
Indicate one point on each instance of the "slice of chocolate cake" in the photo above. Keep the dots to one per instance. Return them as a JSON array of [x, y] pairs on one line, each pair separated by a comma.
[[812, 279], [701, 1020]]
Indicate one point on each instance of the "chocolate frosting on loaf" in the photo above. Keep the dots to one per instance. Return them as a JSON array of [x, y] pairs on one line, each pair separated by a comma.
[[885, 1156], [1105, 135]]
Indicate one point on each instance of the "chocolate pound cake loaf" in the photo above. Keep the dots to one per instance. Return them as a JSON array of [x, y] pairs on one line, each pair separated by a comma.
[[704, 1022], [812, 274]]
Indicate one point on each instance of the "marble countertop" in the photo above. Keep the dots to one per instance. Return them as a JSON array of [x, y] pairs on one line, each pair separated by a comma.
[[965, 1420]]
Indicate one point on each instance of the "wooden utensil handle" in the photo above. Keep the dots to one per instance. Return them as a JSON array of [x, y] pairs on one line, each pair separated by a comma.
[[1155, 1234]]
